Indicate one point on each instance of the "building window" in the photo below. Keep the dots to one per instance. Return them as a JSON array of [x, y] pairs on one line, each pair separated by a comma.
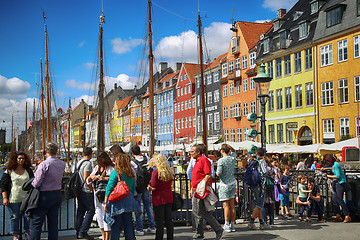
[[253, 107], [208, 78], [237, 110], [226, 134], [246, 137], [297, 61], [357, 88], [342, 50], [252, 83], [245, 109], [194, 121], [237, 87], [245, 85], [271, 101], [226, 112], [303, 30], [190, 121], [288, 101], [186, 122], [185, 105], [193, 102], [270, 69], [266, 45], [358, 7], [357, 45], [224, 69], [328, 126], [271, 134], [308, 58], [231, 89], [333, 17], [357, 126], [280, 133], [327, 93], [344, 127], [231, 111], [197, 82], [182, 106], [289, 135], [217, 121], [278, 67], [279, 101], [314, 7], [283, 37], [231, 67], [216, 76], [185, 92], [298, 95], [287, 65], [244, 62], [225, 92], [343, 91], [326, 55], [216, 95], [199, 125], [209, 98], [309, 94], [237, 64], [232, 135], [276, 25], [239, 134], [252, 57], [181, 91], [210, 121], [198, 100]]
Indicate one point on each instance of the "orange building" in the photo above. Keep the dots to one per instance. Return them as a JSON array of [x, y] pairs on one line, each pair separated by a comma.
[[237, 72]]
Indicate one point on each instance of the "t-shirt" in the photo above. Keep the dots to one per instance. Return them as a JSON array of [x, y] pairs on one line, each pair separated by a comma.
[[338, 172], [285, 182], [201, 168], [300, 166], [162, 194], [17, 181], [85, 167], [301, 194]]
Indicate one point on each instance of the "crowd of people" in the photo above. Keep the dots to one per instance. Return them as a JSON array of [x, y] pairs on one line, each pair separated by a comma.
[[37, 196]]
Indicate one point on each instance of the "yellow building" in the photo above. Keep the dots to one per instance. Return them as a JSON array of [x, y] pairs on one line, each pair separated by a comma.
[[116, 124], [338, 71], [135, 121], [78, 133]]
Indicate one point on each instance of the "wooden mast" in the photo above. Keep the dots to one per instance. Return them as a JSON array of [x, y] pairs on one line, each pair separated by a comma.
[[68, 139], [151, 86], [202, 82], [47, 80], [26, 130], [42, 110], [100, 141], [33, 133]]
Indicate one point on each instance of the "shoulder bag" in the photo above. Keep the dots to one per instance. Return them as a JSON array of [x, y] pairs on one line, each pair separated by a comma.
[[120, 191]]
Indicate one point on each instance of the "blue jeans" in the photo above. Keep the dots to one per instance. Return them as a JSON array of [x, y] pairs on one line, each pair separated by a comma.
[[259, 195], [14, 212], [268, 210], [123, 221], [49, 204], [303, 207], [85, 212], [145, 197], [338, 201]]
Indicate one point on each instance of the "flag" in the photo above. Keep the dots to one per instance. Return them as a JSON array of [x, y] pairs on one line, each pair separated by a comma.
[[3, 121], [30, 124]]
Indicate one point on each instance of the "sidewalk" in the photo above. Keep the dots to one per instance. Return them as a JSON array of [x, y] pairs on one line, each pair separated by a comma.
[[283, 229]]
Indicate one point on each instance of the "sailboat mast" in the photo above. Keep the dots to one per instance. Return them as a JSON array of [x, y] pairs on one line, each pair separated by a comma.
[[33, 133], [48, 103], [151, 85], [25, 136], [68, 140], [100, 141], [202, 82], [42, 110]]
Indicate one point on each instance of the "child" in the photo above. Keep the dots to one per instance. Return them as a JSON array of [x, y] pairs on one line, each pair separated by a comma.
[[285, 185], [268, 209], [303, 196]]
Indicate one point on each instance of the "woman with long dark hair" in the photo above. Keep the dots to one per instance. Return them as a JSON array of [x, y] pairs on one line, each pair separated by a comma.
[[17, 172], [119, 213], [99, 177]]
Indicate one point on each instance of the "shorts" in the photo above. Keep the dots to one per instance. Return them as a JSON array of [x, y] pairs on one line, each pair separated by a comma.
[[284, 199], [226, 192], [259, 195]]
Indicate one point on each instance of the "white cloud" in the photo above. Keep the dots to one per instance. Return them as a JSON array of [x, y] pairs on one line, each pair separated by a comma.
[[87, 98], [89, 65], [120, 46], [262, 21], [78, 85], [274, 5], [81, 44], [13, 87], [184, 47], [122, 80]]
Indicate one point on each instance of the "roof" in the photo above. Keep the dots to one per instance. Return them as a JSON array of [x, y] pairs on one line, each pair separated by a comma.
[[191, 70], [216, 61], [120, 104], [252, 31]]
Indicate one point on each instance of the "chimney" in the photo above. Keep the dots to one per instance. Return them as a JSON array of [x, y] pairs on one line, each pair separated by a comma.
[[115, 86], [178, 66], [281, 13], [163, 67]]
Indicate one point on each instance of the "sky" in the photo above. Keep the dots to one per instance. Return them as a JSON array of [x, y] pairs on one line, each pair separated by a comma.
[[73, 29]]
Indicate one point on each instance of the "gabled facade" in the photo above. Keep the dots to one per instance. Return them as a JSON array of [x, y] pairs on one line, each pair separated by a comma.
[[126, 127], [289, 54], [116, 123], [337, 37], [91, 129], [136, 121], [237, 86], [184, 104], [213, 100]]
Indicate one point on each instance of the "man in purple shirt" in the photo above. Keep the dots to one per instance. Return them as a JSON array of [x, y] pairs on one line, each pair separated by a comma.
[[47, 179]]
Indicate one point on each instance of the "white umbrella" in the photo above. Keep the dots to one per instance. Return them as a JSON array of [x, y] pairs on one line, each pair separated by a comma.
[[337, 147]]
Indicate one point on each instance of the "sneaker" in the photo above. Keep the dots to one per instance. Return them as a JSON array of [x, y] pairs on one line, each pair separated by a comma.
[[264, 226], [193, 229], [251, 226], [321, 220], [307, 219], [232, 227], [276, 217], [122, 234], [227, 228], [85, 236], [139, 233], [206, 229], [289, 215], [15, 238], [220, 235], [198, 237], [151, 230], [301, 219]]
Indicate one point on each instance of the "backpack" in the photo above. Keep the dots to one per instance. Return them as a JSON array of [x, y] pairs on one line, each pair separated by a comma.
[[73, 185], [252, 174], [143, 175]]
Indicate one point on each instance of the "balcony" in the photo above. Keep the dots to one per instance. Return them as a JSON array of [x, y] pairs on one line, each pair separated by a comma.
[[234, 75]]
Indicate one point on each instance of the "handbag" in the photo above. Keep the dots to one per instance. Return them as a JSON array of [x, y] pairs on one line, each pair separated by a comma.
[[178, 202], [100, 187], [120, 191]]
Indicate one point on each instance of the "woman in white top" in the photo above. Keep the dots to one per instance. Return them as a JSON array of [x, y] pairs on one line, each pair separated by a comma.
[[16, 174], [99, 178]]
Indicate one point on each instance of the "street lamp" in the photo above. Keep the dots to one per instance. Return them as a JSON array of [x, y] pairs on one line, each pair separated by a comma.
[[263, 84]]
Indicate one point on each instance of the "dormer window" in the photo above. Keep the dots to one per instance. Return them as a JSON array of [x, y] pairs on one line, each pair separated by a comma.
[[314, 7], [234, 45], [266, 45], [296, 15], [334, 15], [276, 25], [303, 30]]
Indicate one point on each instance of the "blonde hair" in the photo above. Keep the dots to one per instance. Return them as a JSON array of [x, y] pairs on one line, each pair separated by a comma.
[[122, 164], [165, 173]]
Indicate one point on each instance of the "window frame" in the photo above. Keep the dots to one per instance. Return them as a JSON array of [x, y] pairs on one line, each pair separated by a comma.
[[287, 65], [288, 98], [342, 50], [245, 85], [327, 92], [298, 96], [244, 62], [343, 91], [326, 55], [279, 100], [308, 59], [297, 62], [278, 68], [309, 94], [346, 127]]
